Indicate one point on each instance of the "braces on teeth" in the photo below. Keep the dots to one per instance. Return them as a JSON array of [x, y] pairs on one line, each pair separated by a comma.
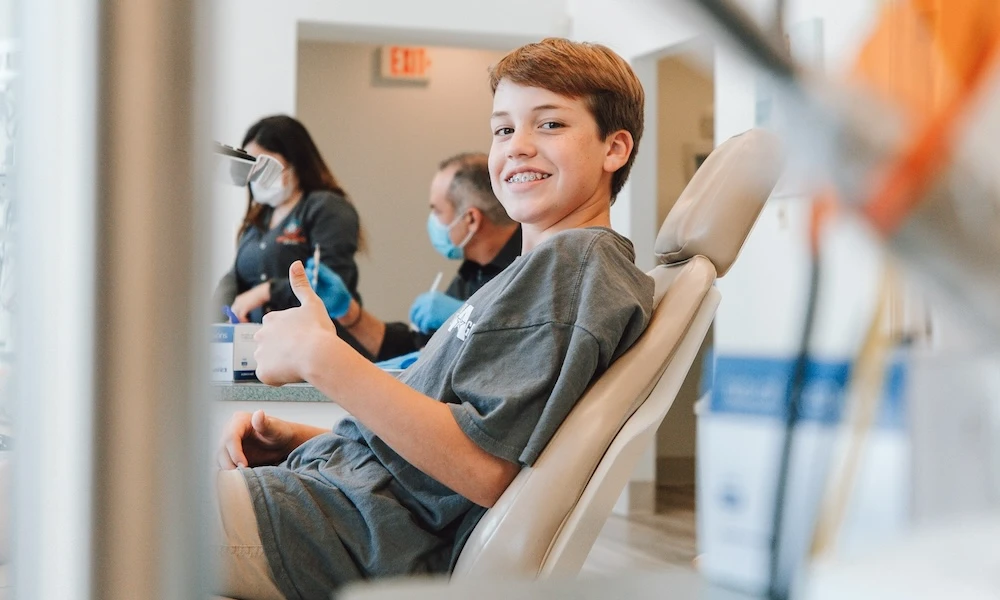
[[526, 177]]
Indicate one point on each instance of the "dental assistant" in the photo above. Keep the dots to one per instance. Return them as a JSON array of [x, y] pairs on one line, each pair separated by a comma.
[[286, 221]]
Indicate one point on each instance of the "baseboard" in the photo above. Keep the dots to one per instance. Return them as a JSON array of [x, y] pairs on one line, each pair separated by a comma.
[[675, 470], [638, 497]]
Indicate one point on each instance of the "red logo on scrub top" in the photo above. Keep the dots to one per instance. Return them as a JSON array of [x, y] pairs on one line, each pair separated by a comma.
[[292, 234]]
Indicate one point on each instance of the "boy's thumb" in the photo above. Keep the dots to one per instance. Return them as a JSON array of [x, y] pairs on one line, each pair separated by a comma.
[[300, 283], [261, 423]]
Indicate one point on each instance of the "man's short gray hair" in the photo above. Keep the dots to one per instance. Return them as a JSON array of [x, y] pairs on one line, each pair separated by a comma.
[[471, 187]]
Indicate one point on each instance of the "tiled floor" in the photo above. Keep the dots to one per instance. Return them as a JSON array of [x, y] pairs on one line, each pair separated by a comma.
[[661, 541]]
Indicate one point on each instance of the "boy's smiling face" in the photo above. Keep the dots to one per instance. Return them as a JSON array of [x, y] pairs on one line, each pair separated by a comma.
[[549, 166]]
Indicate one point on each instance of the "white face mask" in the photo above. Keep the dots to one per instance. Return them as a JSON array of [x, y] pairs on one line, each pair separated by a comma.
[[273, 195]]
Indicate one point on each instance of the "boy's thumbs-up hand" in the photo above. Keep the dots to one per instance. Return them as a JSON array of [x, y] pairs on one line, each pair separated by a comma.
[[300, 284], [288, 342]]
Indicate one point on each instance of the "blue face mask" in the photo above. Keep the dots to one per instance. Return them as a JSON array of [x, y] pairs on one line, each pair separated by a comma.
[[442, 241]]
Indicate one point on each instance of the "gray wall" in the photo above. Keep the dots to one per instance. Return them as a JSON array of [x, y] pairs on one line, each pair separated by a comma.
[[383, 141], [685, 96]]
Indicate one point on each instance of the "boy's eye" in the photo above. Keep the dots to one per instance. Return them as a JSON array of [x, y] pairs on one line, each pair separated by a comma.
[[551, 125], [503, 131]]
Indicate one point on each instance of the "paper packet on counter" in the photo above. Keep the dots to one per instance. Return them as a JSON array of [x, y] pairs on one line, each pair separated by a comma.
[[231, 352]]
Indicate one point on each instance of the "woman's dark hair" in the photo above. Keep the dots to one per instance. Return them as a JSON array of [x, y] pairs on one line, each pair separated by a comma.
[[287, 137]]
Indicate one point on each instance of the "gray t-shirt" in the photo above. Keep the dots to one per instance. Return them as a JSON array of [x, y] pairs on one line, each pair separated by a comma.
[[511, 364]]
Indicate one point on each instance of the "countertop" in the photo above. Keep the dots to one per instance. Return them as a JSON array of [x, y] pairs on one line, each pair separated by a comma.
[[247, 391]]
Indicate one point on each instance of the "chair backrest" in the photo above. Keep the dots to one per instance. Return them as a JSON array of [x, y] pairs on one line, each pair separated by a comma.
[[548, 518]]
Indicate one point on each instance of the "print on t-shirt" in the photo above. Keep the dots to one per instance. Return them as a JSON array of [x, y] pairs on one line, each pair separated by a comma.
[[292, 234], [463, 321]]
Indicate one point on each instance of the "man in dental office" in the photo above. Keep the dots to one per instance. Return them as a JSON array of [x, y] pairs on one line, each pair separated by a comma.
[[466, 221]]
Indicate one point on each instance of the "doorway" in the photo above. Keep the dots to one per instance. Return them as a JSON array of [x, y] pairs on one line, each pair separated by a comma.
[[684, 137]]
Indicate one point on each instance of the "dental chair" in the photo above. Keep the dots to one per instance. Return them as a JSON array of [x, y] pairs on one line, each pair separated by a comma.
[[547, 520]]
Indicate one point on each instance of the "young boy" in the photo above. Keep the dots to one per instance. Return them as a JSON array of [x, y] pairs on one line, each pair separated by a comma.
[[398, 488]]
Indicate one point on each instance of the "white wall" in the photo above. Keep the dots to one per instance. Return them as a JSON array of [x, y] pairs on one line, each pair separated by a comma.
[[633, 28], [6, 19], [256, 41], [384, 141], [255, 57]]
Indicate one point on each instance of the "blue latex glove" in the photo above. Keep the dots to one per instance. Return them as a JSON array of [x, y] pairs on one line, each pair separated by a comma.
[[431, 309], [400, 362], [230, 315], [330, 288]]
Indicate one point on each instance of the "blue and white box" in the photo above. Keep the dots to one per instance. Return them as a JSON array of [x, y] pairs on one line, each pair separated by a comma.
[[231, 352], [740, 439], [741, 428]]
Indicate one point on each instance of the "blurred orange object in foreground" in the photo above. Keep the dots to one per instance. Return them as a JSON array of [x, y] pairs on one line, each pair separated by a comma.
[[927, 58]]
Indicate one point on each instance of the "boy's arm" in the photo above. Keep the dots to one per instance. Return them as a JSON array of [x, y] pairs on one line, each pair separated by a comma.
[[420, 429], [301, 344]]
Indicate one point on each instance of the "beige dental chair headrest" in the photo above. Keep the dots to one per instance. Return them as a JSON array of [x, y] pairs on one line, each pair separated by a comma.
[[718, 207]]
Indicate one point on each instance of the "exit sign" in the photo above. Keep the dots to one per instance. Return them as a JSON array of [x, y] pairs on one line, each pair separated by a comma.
[[406, 62]]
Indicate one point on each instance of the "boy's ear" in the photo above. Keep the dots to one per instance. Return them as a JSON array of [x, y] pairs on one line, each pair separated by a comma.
[[620, 146]]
